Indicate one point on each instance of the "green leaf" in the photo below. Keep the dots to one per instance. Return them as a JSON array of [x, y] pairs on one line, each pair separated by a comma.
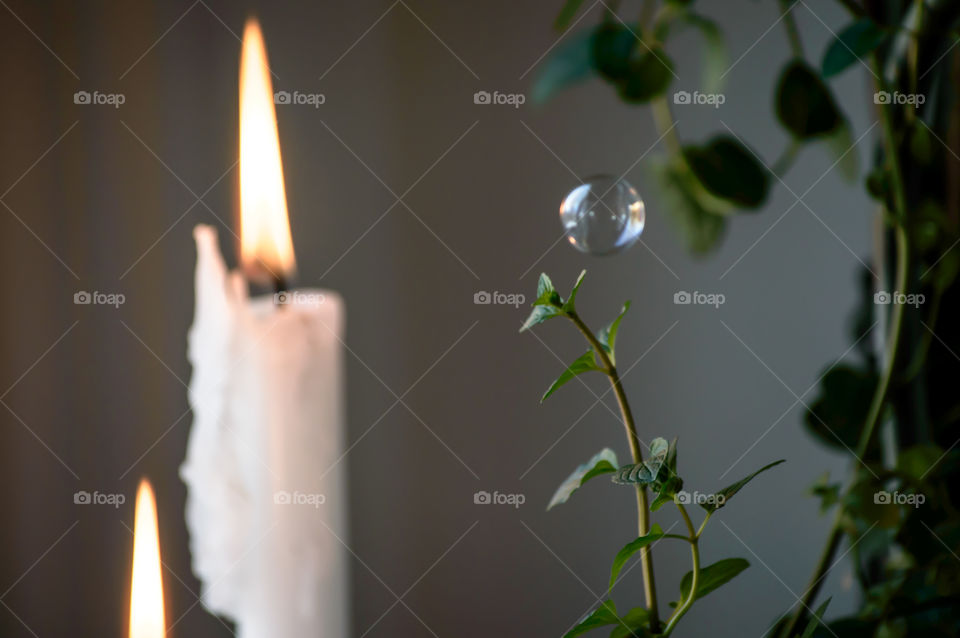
[[608, 335], [827, 492], [648, 76], [697, 214], [570, 304], [804, 104], [568, 64], [724, 495], [539, 314], [633, 624], [605, 614], [851, 44], [567, 13], [920, 462], [816, 620], [611, 49], [667, 492], [583, 363], [631, 548], [712, 577], [840, 410], [546, 293], [729, 171], [603, 462], [647, 471]]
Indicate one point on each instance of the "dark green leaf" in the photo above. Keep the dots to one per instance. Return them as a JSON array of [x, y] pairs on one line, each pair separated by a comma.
[[603, 462], [633, 624], [853, 43], [583, 363], [837, 415], [605, 614], [698, 215], [919, 462], [538, 315], [567, 13], [612, 47], [729, 170], [712, 577], [631, 548], [828, 493], [724, 495], [570, 304], [647, 77], [804, 104], [667, 491], [568, 64], [816, 620], [608, 335]]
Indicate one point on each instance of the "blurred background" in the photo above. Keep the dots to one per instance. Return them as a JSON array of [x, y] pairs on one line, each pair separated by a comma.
[[409, 199]]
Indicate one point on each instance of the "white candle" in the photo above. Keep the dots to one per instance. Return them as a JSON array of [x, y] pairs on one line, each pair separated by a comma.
[[266, 497]]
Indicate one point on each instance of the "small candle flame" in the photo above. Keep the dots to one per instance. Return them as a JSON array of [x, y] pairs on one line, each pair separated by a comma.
[[146, 590], [266, 248]]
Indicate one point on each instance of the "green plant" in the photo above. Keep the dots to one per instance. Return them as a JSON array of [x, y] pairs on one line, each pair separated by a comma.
[[656, 475], [905, 556]]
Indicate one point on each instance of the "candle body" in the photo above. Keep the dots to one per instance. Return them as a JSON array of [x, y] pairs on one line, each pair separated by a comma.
[[266, 504]]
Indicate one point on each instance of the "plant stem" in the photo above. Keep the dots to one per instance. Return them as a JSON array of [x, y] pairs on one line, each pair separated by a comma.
[[695, 581], [883, 386], [643, 511], [793, 33]]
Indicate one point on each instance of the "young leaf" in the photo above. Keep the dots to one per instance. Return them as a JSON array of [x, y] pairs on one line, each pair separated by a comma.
[[631, 548], [729, 171], [603, 462], [608, 335], [853, 43], [649, 470], [804, 103], [667, 492], [539, 314], [720, 498], [568, 64], [547, 295], [605, 614], [633, 624], [712, 577], [583, 363], [570, 304], [816, 620]]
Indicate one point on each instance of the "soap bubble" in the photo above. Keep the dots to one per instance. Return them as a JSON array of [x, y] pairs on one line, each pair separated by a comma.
[[602, 216]]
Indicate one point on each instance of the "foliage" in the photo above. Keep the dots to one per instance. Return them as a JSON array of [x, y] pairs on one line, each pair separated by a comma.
[[656, 473], [893, 412]]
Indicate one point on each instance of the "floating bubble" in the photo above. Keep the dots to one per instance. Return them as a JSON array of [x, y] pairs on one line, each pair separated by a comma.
[[603, 215]]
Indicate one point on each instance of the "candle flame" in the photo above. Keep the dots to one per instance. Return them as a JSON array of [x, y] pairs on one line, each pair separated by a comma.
[[266, 248], [146, 590]]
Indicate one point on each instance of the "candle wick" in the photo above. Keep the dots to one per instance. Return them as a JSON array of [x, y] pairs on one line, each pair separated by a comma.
[[280, 290]]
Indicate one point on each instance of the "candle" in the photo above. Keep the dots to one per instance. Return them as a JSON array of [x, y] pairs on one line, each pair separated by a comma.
[[265, 502], [146, 587]]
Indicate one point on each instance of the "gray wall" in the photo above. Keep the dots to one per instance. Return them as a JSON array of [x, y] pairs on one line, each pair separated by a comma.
[[96, 396]]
